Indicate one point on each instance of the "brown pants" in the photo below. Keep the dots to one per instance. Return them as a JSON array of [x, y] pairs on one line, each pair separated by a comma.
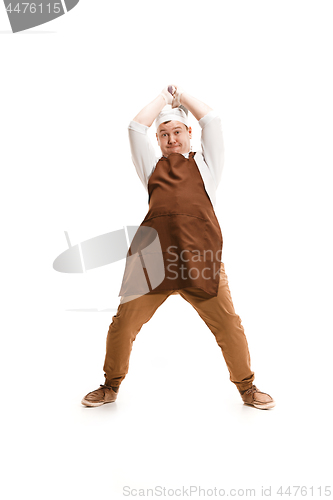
[[217, 312]]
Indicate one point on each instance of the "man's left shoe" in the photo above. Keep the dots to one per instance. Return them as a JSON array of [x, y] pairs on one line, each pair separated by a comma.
[[258, 399]]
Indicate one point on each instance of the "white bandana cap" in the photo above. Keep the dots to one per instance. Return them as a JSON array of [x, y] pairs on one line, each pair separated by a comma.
[[168, 113]]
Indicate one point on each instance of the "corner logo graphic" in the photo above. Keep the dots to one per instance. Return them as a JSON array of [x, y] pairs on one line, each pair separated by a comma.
[[25, 15]]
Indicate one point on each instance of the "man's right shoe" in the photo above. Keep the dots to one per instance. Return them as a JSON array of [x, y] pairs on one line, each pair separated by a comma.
[[100, 396]]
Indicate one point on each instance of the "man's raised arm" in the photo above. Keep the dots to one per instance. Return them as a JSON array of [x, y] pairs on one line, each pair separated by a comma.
[[198, 108], [148, 114], [143, 153], [211, 130]]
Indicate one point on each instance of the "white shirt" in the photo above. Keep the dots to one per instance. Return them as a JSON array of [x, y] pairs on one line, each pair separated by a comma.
[[210, 159]]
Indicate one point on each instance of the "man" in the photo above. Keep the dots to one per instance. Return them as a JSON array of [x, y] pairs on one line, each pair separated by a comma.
[[181, 186]]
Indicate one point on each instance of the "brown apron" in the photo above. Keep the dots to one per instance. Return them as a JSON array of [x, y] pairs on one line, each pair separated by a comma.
[[189, 233]]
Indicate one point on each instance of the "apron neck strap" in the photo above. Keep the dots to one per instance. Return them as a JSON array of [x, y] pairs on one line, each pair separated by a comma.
[[190, 155]]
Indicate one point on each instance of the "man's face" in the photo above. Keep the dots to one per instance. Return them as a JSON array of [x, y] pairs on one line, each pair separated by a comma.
[[173, 137]]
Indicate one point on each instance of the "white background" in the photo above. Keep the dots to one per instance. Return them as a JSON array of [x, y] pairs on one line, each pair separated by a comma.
[[68, 91]]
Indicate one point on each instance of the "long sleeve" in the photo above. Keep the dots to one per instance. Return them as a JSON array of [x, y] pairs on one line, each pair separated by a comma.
[[143, 153], [212, 144]]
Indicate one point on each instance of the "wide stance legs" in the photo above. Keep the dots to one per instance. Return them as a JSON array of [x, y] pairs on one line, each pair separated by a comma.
[[217, 312]]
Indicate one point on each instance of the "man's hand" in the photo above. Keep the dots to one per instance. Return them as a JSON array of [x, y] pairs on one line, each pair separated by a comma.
[[167, 96], [176, 96]]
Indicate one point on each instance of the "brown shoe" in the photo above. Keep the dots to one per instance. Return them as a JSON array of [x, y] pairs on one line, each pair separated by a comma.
[[99, 397], [258, 399]]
